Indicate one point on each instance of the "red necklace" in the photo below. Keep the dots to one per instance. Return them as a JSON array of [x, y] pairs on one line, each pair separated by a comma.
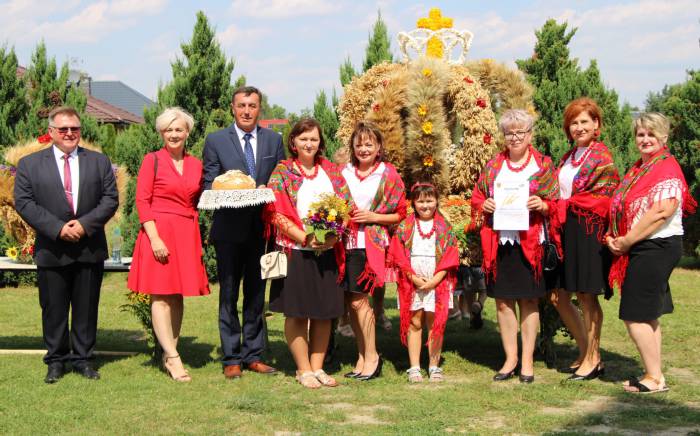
[[311, 176], [521, 167], [371, 170], [574, 162], [425, 235]]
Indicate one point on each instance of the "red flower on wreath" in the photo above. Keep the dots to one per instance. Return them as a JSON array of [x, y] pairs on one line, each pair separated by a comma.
[[375, 107], [385, 83], [481, 103], [468, 79], [487, 138], [44, 139]]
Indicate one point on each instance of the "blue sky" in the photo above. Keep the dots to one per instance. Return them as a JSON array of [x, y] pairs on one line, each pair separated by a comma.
[[293, 48]]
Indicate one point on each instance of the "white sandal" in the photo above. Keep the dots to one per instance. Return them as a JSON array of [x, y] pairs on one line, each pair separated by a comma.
[[325, 379], [308, 380], [435, 374], [414, 375]]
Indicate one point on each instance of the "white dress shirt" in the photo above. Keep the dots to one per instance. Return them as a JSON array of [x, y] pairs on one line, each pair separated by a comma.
[[253, 141], [74, 172], [363, 193], [568, 172]]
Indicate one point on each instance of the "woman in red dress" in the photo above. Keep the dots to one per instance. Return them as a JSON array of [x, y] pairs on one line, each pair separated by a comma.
[[167, 260]]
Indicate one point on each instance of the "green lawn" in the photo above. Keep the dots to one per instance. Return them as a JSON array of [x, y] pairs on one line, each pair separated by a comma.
[[134, 397]]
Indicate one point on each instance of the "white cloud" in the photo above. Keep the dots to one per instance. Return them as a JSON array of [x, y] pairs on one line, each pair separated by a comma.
[[283, 8], [134, 7], [234, 37]]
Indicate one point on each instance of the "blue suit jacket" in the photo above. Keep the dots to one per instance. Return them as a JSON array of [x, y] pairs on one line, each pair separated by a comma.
[[223, 152]]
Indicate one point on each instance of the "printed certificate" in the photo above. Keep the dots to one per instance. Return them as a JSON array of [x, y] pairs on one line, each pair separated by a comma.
[[511, 205]]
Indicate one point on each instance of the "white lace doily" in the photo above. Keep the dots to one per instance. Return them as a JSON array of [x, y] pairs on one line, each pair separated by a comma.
[[220, 199]]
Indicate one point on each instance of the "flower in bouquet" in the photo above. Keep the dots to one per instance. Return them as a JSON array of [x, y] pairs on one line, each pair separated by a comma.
[[327, 216], [12, 253]]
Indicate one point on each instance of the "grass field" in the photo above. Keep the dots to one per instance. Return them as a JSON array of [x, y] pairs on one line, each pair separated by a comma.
[[135, 397]]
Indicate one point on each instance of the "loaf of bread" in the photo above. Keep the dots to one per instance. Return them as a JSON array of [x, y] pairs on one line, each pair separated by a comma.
[[233, 179]]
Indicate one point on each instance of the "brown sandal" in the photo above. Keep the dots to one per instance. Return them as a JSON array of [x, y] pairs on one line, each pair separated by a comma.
[[182, 378]]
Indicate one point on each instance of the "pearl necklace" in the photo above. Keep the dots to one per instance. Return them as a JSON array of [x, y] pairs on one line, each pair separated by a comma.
[[371, 170], [311, 176], [521, 167], [425, 235]]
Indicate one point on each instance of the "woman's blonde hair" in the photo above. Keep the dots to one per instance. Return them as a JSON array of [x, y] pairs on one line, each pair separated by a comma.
[[171, 114], [656, 123], [516, 117]]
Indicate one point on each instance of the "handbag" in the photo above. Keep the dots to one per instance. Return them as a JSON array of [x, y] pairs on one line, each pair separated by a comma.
[[550, 259], [273, 265]]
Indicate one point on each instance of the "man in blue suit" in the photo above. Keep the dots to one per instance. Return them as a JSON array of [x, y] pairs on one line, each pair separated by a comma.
[[237, 234]]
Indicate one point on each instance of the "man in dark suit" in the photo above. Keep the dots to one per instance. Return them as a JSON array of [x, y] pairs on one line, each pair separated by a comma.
[[67, 194], [237, 234]]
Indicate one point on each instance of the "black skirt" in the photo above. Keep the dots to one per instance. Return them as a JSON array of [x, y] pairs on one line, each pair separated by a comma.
[[515, 278], [355, 261], [586, 261], [310, 289], [646, 294]]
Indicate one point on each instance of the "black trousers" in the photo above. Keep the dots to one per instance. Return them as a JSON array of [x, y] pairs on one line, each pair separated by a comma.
[[238, 262], [74, 288]]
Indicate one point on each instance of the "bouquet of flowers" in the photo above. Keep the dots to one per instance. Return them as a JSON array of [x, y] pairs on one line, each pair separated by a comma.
[[327, 216]]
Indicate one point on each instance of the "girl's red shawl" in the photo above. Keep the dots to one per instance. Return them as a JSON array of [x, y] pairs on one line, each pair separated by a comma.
[[446, 259]]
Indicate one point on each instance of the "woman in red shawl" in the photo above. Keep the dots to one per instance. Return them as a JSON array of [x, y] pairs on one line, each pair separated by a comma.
[[378, 193], [587, 178], [310, 296], [425, 252], [512, 260], [646, 232]]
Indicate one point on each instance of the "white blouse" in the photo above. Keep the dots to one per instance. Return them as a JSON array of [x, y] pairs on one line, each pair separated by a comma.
[[363, 192], [671, 188], [309, 192], [423, 251], [505, 174], [568, 172]]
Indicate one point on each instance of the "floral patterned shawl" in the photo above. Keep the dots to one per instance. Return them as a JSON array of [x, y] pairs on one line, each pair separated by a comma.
[[592, 188], [642, 180], [545, 185], [285, 182], [390, 198], [446, 259]]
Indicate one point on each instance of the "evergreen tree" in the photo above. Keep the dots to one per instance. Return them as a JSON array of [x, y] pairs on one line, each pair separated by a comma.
[[347, 72], [13, 103], [681, 104], [48, 87], [378, 47], [327, 117], [557, 80]]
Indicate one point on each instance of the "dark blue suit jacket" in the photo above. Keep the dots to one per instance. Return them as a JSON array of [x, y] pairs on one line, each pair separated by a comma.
[[41, 202], [223, 152]]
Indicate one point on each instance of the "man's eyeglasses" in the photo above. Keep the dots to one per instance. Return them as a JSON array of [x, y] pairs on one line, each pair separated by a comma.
[[517, 135], [64, 130]]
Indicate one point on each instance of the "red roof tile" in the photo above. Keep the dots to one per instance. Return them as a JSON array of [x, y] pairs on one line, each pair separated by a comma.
[[107, 113]]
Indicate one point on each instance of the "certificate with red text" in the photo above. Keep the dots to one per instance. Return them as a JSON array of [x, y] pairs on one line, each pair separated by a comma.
[[511, 205]]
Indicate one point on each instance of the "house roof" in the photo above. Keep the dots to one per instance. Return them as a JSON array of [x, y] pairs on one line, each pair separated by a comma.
[[273, 121], [120, 95], [107, 113]]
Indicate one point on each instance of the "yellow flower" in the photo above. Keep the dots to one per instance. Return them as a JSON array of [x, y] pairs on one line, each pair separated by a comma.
[[428, 161], [422, 110], [332, 212], [331, 217], [12, 253], [427, 72], [427, 128]]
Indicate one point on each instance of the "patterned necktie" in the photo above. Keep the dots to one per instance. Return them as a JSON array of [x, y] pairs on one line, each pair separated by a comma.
[[67, 182], [249, 157]]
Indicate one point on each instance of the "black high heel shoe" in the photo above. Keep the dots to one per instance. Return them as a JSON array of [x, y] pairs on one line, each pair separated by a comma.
[[351, 374], [597, 371], [377, 372], [569, 369], [502, 376]]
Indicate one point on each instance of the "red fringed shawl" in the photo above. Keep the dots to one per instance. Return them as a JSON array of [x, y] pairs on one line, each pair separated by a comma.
[[592, 189], [390, 198], [446, 259], [285, 182], [642, 180], [545, 185]]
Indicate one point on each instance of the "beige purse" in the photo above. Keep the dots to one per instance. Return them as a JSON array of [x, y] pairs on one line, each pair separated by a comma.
[[273, 265]]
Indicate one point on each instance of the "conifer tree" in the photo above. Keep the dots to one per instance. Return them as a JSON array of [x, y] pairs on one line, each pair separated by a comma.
[[681, 104], [347, 72], [557, 80], [378, 47], [13, 103], [327, 117]]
